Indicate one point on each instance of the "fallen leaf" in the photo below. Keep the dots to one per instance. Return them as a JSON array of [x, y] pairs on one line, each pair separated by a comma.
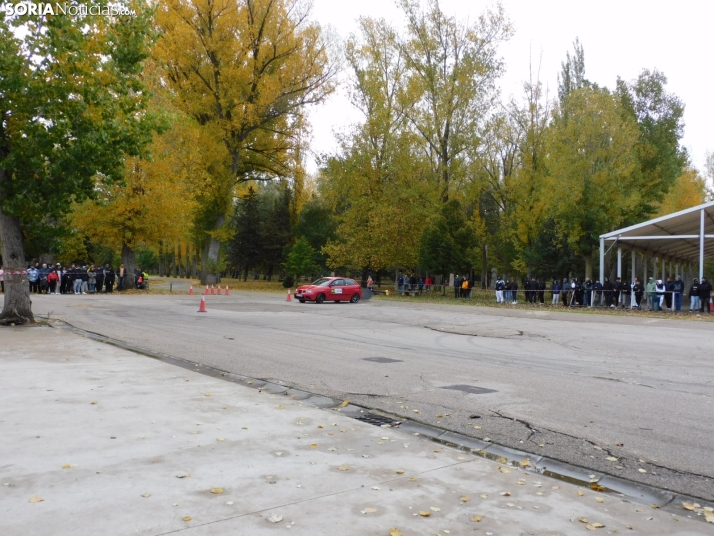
[[230, 503], [503, 469], [655, 506], [216, 491], [376, 488], [412, 479], [709, 518], [344, 403], [368, 510], [69, 466], [36, 499], [424, 513], [596, 487], [281, 407], [525, 463], [583, 520], [275, 518], [611, 459], [146, 495], [313, 446], [521, 482], [187, 518], [94, 403], [415, 410], [506, 493], [510, 505], [320, 426], [476, 518], [600, 499], [332, 449], [688, 506], [464, 499], [344, 468], [208, 394], [597, 525], [395, 532], [278, 453], [501, 459], [580, 492], [220, 439], [440, 415], [642, 470], [483, 496], [434, 509], [400, 472]]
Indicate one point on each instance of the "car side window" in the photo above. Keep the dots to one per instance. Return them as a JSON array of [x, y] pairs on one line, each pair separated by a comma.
[[337, 283], [350, 282]]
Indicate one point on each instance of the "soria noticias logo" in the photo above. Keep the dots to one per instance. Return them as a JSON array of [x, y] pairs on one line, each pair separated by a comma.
[[46, 8]]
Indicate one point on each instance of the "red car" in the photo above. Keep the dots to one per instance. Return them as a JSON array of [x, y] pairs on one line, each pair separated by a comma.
[[330, 288]]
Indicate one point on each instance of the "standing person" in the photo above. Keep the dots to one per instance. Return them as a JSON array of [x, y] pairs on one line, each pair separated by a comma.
[[637, 292], [138, 279], [541, 291], [413, 282], [607, 288], [500, 286], [669, 287], [32, 274], [465, 287], [650, 293], [626, 291], [616, 290], [42, 274], [84, 275], [678, 293], [588, 290], [705, 292], [52, 280], [564, 293], [122, 274], [514, 291], [457, 286], [428, 283], [100, 279], [597, 294], [109, 277], [76, 279], [660, 290], [421, 285], [92, 279], [555, 291], [694, 296]]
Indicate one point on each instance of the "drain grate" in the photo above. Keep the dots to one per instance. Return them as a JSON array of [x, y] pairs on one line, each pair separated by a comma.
[[382, 360], [470, 389], [377, 420]]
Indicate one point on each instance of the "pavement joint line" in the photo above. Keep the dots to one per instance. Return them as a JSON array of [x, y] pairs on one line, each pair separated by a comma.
[[562, 471], [317, 497]]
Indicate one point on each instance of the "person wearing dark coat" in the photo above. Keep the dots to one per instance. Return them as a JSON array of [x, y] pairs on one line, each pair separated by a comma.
[[100, 279], [705, 293], [616, 289], [514, 291], [669, 287], [607, 288], [109, 277], [694, 296], [541, 291], [638, 290]]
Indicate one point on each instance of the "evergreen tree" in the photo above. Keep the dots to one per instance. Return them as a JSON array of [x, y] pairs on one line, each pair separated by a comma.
[[301, 259], [276, 233], [246, 246]]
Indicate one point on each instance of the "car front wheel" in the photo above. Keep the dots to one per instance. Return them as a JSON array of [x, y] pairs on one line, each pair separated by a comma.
[[354, 298], [301, 300], [320, 298]]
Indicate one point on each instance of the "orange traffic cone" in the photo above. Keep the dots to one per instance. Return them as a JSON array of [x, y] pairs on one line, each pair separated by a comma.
[[202, 308], [213, 290], [190, 290], [205, 292], [289, 297], [219, 290], [227, 291]]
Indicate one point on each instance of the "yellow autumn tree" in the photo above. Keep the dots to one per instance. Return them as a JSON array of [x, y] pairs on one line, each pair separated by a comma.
[[245, 71], [689, 191], [155, 202]]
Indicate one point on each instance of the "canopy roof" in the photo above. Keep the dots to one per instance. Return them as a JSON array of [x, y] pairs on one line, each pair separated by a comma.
[[676, 235]]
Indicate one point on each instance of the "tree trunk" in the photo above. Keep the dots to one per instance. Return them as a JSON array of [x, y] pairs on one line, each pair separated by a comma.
[[18, 307], [484, 266], [214, 248], [128, 259], [589, 266]]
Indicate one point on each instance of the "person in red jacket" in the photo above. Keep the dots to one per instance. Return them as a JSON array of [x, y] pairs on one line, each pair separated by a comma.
[[52, 280]]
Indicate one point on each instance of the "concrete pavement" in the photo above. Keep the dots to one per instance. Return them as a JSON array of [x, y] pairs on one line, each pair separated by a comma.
[[99, 440]]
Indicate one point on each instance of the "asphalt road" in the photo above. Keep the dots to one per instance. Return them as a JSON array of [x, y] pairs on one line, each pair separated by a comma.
[[575, 387]]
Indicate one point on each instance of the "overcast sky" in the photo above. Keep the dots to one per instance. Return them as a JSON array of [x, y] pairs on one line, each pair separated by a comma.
[[620, 38]]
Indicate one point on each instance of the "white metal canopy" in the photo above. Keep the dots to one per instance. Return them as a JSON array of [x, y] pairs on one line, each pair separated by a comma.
[[684, 236]]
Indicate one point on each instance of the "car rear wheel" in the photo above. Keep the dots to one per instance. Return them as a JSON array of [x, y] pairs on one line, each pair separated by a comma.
[[320, 298], [354, 298]]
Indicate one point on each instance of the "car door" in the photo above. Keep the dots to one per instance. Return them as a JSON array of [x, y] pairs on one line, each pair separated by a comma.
[[337, 290], [351, 287]]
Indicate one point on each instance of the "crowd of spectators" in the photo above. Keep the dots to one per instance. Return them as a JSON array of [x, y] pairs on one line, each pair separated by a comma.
[[76, 279]]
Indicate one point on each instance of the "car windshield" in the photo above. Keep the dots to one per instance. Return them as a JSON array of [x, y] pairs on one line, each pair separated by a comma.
[[321, 281]]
